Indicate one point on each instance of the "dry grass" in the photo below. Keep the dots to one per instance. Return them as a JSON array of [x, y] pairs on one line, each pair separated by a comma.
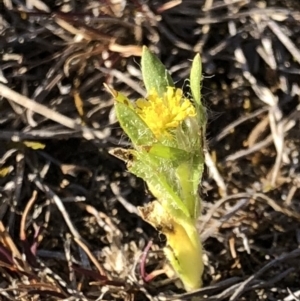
[[68, 220]]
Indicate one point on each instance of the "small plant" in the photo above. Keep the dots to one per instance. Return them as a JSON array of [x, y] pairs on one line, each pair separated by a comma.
[[167, 130]]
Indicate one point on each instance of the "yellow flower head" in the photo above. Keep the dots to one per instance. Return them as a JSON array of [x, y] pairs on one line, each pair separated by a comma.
[[162, 113]]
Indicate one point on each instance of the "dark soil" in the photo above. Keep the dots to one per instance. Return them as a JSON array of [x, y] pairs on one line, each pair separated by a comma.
[[68, 212]]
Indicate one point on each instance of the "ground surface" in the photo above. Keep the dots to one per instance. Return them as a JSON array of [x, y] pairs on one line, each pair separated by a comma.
[[70, 207]]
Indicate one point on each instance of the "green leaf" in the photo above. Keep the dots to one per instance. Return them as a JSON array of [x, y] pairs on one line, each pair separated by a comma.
[[155, 75], [169, 153], [183, 173], [197, 170], [195, 83], [133, 125], [195, 79], [147, 167]]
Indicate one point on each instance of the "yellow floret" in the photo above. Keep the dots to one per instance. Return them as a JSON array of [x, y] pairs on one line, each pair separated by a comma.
[[164, 113]]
